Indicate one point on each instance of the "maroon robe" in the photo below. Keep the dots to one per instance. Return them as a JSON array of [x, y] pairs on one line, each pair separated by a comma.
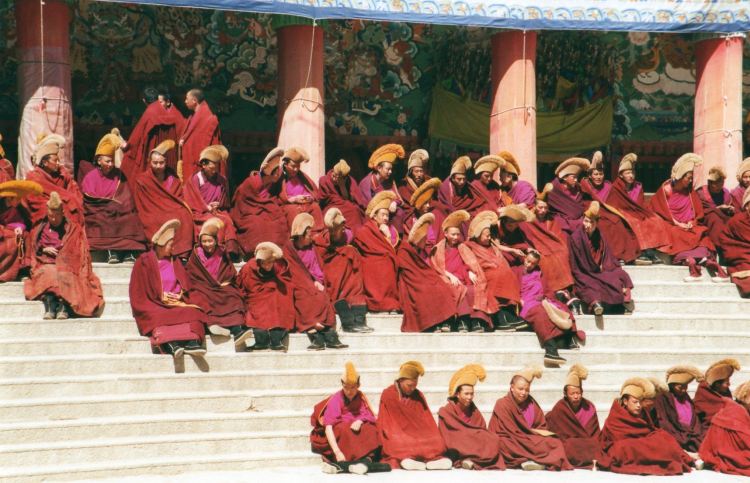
[[345, 196], [14, 249], [714, 219], [219, 297], [466, 199], [501, 282], [708, 402], [620, 237], [522, 192], [650, 230], [737, 193], [312, 306], [65, 186], [547, 237], [735, 241], [257, 216], [466, 437], [157, 124], [688, 437], [291, 210], [379, 268], [581, 442], [566, 206], [269, 297], [199, 207], [726, 448], [342, 266], [492, 195], [201, 130], [356, 446], [370, 186]]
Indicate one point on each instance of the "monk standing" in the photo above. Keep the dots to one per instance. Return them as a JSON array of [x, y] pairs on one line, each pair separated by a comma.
[[339, 190], [201, 130], [717, 205], [520, 191], [457, 193], [743, 183], [297, 193], [381, 179], [470, 445], [411, 439], [735, 241], [726, 448], [15, 224], [713, 392], [675, 411]]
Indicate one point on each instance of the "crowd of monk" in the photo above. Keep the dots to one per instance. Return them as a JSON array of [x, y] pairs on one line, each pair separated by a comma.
[[652, 428]]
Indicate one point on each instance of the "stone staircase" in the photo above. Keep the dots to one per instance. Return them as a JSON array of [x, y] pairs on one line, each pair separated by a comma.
[[85, 398]]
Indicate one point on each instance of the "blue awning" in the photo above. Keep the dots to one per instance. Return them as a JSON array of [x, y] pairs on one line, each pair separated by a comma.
[[717, 16]]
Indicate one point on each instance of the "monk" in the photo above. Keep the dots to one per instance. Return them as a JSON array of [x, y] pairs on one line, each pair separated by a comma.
[[345, 432], [339, 190], [422, 201], [601, 283], [255, 213], [675, 411], [457, 193], [713, 392], [416, 174], [296, 192], [266, 286], [214, 285], [630, 444], [158, 197], [565, 199], [428, 301], [485, 184], [159, 122], [381, 179], [376, 241], [15, 224], [573, 418], [207, 195], [726, 448], [717, 205], [411, 439], [743, 183], [520, 191], [201, 130], [520, 423], [735, 242], [112, 222], [160, 298], [470, 445]]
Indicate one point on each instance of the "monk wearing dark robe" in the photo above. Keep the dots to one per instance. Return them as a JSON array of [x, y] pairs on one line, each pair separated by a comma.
[[15, 224], [158, 197], [713, 392], [416, 173], [601, 283], [266, 285], [160, 298], [677, 203], [112, 222], [381, 179], [735, 243], [630, 444], [726, 447], [520, 191], [743, 183], [255, 212], [573, 419], [376, 241], [457, 193], [214, 285], [427, 299], [207, 195], [61, 272], [565, 199], [201, 130], [410, 438], [519, 421], [339, 190], [159, 122], [675, 411], [345, 430], [423, 201], [717, 205], [485, 185]]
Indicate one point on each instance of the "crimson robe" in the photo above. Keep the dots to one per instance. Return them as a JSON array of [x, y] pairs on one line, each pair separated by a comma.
[[345, 196], [157, 124], [198, 206], [291, 210], [581, 442], [312, 306], [620, 237], [379, 268], [269, 296], [355, 446], [708, 402], [14, 249], [714, 219], [492, 195], [465, 199], [726, 448], [547, 237], [632, 445], [566, 206], [220, 298], [370, 186], [735, 241], [201, 130], [407, 428], [342, 267], [466, 437], [650, 230], [501, 281], [65, 186], [521, 443], [481, 300], [682, 240], [737, 193], [522, 192], [689, 437], [257, 216]]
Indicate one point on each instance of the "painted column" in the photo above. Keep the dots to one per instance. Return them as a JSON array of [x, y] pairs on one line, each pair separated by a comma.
[[717, 130], [301, 116], [513, 114], [44, 79]]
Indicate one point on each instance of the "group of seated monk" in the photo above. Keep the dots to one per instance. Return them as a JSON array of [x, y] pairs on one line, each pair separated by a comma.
[[649, 431]]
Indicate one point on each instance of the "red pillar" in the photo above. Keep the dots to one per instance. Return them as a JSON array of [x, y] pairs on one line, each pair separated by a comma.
[[717, 130], [300, 94], [44, 93], [513, 114]]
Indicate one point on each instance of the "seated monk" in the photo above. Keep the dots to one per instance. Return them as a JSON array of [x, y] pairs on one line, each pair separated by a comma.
[[214, 285], [521, 192], [485, 184], [726, 447], [376, 241], [61, 272], [112, 222], [344, 430], [457, 193], [519, 421], [630, 444], [15, 224], [677, 203], [158, 197], [601, 283], [207, 195], [339, 190], [410, 438], [381, 179], [735, 243], [565, 199], [743, 183], [675, 411], [428, 301], [160, 298], [422, 201], [717, 205], [416, 175], [296, 193], [255, 213], [713, 391], [266, 285]]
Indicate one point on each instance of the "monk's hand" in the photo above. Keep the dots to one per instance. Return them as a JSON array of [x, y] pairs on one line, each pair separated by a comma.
[[356, 426], [339, 456], [518, 253], [472, 277], [170, 297], [392, 207], [213, 206], [453, 279], [385, 230], [18, 231], [51, 251], [319, 286]]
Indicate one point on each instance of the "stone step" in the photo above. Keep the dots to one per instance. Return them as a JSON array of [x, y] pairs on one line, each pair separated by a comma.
[[115, 287], [20, 308]]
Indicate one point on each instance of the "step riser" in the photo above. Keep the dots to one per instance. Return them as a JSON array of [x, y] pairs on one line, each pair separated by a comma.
[[28, 309]]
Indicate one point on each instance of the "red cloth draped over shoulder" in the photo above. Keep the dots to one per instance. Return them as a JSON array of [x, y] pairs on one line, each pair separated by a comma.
[[157, 124], [501, 281], [345, 196], [258, 218], [567, 208], [547, 237], [158, 204], [379, 268], [66, 187], [201, 130], [312, 306], [426, 299], [355, 446], [688, 437], [200, 211], [726, 448], [682, 240], [14, 249], [342, 267], [649, 229], [482, 299], [581, 442], [708, 402], [493, 196], [714, 219], [468, 199], [466, 437], [620, 236], [219, 298], [70, 277], [111, 223], [735, 242], [632, 445], [521, 443], [269, 297], [407, 428], [291, 210]]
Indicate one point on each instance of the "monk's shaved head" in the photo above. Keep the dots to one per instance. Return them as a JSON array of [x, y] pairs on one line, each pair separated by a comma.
[[197, 94], [519, 389]]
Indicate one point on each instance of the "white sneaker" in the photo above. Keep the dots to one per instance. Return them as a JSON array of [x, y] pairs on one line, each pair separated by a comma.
[[413, 465], [467, 465], [219, 330], [441, 464], [358, 468], [531, 466], [691, 278], [699, 464], [329, 469], [720, 279]]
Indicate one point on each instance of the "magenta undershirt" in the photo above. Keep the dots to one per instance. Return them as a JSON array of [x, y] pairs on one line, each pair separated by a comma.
[[603, 191], [96, 184], [210, 190], [337, 411], [681, 207], [310, 260], [528, 413], [168, 181], [50, 238], [212, 263], [295, 187], [455, 264], [635, 192], [169, 281], [684, 411], [584, 414], [532, 291], [522, 193]]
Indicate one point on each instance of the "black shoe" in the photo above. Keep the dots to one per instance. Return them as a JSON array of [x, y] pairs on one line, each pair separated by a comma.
[[377, 467], [476, 325], [360, 318], [331, 338], [501, 325], [112, 257], [277, 339], [562, 296], [597, 308], [655, 260], [575, 306], [348, 323], [262, 341], [551, 356], [50, 306], [572, 344], [173, 348], [240, 333], [62, 310], [194, 348], [129, 258], [461, 326], [317, 341]]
